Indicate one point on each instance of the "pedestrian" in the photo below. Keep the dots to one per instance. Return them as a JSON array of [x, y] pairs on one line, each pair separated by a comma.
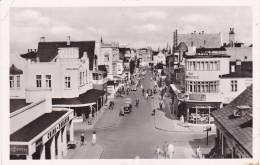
[[143, 91], [146, 95], [158, 152], [137, 102], [198, 152], [82, 138], [160, 105], [165, 148], [94, 138], [182, 119], [170, 150]]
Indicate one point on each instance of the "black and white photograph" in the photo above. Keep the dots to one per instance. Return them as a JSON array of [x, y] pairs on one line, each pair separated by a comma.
[[131, 82]]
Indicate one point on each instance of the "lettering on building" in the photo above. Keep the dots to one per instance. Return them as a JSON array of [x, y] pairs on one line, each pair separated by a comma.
[[19, 150], [58, 127]]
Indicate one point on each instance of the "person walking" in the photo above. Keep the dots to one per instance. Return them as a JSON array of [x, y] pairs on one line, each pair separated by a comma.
[[94, 138], [165, 145], [198, 152], [137, 102], [170, 150], [82, 138], [158, 152]]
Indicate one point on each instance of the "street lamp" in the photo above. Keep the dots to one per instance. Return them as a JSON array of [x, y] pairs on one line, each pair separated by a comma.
[[207, 129]]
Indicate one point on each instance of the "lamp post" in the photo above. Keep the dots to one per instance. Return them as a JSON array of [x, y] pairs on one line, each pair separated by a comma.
[[207, 129]]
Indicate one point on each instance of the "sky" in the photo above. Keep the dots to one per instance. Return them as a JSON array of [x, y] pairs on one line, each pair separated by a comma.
[[135, 26]]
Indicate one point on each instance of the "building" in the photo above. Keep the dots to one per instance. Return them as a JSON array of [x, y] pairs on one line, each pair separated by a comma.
[[38, 131], [159, 58], [108, 55], [202, 85], [234, 83], [66, 68], [234, 124], [145, 55], [16, 81]]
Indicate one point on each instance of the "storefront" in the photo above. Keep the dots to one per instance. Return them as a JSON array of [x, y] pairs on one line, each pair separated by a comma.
[[86, 106], [43, 138], [200, 113]]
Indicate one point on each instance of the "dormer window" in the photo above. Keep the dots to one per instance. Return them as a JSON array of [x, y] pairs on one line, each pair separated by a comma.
[[241, 110]]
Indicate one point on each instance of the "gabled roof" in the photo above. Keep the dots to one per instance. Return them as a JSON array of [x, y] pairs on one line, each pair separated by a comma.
[[47, 51], [14, 70], [212, 40], [236, 126], [30, 55], [182, 47]]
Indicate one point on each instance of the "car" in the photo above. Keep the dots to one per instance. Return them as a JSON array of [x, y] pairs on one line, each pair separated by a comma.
[[134, 88]]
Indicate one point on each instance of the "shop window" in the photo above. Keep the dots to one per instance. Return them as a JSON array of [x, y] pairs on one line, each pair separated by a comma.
[[38, 81], [11, 79]]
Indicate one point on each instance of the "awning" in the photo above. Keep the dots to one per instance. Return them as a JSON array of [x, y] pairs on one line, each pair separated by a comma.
[[34, 128], [174, 88], [91, 96]]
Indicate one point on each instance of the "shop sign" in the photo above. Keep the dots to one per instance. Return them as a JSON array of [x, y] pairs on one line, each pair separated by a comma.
[[19, 150], [197, 97], [57, 128], [190, 75]]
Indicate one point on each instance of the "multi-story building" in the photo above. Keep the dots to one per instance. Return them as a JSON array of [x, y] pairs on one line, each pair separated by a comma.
[[109, 56], [202, 85], [145, 55], [65, 68], [234, 124], [239, 78]]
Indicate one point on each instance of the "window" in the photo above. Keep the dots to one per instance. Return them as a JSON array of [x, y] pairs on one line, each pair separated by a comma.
[[202, 66], [48, 81], [106, 57], [67, 82], [18, 81], [11, 81], [233, 85], [38, 81], [191, 43]]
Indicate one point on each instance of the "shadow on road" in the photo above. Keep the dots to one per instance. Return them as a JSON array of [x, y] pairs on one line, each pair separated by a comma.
[[203, 144]]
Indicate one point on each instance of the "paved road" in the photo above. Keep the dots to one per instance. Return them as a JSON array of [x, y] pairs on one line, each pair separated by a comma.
[[136, 134]]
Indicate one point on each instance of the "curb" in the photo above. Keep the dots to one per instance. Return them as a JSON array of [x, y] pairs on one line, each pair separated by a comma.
[[166, 130]]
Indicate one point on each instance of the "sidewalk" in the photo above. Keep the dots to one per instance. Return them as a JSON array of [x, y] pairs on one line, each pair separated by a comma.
[[87, 151]]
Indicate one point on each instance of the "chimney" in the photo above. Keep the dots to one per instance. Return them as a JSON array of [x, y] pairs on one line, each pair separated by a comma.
[[28, 50], [194, 31], [68, 40], [35, 50], [42, 39], [202, 32]]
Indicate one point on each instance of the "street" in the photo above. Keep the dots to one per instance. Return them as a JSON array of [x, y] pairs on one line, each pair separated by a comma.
[[136, 134]]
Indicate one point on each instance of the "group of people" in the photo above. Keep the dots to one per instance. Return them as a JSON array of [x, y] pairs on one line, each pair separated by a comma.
[[93, 141], [166, 151]]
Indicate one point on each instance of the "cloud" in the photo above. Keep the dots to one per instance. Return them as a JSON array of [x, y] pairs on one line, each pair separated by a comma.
[[159, 15], [31, 17], [145, 28], [196, 18]]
